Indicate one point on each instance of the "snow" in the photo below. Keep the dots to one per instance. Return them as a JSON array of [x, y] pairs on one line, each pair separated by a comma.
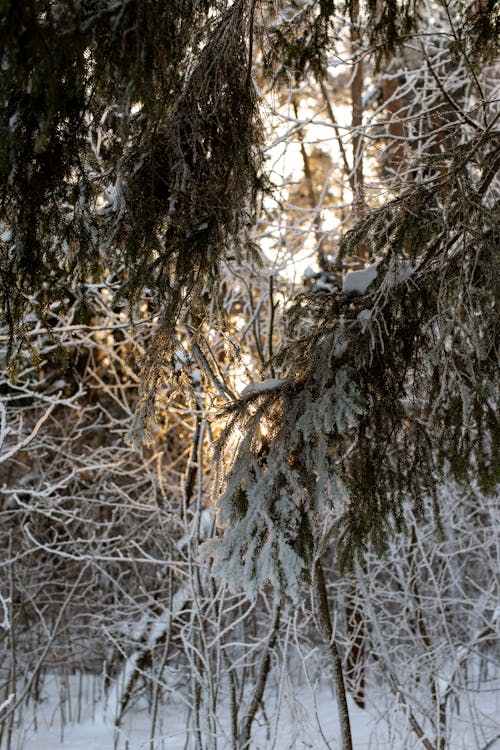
[[196, 378], [357, 282], [265, 386], [320, 286], [496, 615], [7, 701], [201, 528], [302, 721], [321, 281], [5, 602], [326, 282], [307, 719]]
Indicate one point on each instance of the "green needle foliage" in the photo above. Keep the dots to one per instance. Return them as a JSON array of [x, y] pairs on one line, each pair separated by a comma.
[[384, 396], [165, 89]]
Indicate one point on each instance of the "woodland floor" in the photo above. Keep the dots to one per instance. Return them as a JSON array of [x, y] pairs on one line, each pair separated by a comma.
[[300, 722]]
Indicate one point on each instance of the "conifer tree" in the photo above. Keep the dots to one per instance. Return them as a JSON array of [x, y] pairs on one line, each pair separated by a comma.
[[130, 146]]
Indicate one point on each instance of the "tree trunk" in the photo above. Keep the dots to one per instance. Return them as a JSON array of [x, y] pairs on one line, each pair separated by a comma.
[[357, 111], [325, 627], [355, 656]]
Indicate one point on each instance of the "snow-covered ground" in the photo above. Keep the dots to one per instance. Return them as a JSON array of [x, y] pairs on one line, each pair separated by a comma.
[[302, 720]]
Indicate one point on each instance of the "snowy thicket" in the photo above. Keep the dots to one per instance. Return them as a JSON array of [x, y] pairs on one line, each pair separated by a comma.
[[247, 421]]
